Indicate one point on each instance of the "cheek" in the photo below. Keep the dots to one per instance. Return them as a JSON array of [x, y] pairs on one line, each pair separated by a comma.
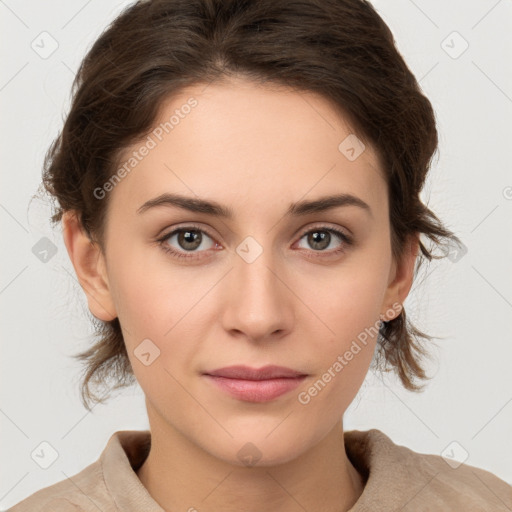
[[162, 304], [151, 296], [363, 283], [154, 316], [138, 300], [349, 307], [343, 360], [348, 301], [353, 319]]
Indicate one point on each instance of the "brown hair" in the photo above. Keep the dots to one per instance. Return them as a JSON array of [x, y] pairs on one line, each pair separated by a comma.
[[340, 49]]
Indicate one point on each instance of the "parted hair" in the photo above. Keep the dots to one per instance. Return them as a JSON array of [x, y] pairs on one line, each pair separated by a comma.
[[340, 49]]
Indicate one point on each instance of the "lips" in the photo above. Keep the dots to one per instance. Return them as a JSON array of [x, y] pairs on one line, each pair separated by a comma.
[[248, 373], [255, 384]]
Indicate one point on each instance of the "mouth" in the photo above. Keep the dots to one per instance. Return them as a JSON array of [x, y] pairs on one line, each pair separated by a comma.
[[255, 385]]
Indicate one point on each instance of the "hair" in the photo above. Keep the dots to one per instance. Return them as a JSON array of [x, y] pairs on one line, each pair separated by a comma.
[[340, 49]]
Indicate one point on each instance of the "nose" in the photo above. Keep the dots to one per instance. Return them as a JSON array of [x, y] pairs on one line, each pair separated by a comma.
[[258, 303]]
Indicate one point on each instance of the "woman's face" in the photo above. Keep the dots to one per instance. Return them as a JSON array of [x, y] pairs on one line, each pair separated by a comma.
[[270, 284]]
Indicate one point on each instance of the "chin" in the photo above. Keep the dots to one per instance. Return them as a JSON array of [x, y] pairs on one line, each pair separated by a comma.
[[259, 447]]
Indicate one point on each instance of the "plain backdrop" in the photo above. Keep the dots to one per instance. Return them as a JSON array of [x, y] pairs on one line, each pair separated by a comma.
[[461, 51]]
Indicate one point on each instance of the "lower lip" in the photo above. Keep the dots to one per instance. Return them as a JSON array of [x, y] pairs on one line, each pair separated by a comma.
[[256, 390]]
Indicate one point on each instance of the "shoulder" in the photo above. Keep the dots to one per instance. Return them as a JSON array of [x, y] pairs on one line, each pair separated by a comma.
[[465, 485], [109, 483], [398, 476], [81, 492]]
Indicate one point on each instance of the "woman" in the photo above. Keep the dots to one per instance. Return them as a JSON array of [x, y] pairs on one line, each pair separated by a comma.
[[238, 183]]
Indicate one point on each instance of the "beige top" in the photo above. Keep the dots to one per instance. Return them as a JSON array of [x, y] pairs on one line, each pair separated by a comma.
[[397, 478]]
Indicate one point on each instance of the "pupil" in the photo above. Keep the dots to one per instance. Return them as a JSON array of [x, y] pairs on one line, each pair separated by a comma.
[[318, 237], [186, 239]]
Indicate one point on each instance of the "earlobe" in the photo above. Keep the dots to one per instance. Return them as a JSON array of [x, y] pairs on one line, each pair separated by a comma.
[[399, 288], [89, 264]]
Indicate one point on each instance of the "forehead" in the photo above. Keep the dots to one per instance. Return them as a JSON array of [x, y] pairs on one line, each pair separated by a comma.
[[238, 139]]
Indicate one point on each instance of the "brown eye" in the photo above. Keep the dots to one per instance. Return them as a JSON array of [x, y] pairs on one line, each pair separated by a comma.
[[185, 242], [319, 239], [189, 239]]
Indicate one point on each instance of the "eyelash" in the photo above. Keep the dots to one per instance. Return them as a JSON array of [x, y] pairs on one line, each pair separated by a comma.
[[347, 241]]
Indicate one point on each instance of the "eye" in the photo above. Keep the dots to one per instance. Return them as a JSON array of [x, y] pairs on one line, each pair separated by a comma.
[[192, 240], [189, 239], [320, 238]]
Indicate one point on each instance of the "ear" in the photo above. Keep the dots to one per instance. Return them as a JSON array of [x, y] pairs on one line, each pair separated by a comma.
[[90, 267], [401, 278]]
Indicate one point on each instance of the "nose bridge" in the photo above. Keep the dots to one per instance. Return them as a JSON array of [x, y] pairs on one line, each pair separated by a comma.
[[257, 300], [257, 277]]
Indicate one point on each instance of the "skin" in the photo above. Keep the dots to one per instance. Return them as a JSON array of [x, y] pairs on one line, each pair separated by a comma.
[[254, 149]]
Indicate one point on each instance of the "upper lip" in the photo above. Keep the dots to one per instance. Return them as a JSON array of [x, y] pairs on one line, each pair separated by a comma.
[[248, 373]]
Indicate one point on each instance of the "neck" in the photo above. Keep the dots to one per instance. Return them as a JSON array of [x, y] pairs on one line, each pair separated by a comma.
[[180, 475]]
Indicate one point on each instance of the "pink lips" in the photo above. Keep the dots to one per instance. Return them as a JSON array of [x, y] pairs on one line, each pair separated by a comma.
[[256, 385]]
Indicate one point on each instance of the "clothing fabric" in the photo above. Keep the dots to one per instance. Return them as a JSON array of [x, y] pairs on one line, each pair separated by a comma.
[[396, 479]]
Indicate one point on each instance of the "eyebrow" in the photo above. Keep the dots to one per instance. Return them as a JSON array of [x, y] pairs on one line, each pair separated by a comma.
[[213, 208]]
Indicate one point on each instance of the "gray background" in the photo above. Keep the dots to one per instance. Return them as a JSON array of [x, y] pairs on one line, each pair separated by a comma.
[[465, 412]]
